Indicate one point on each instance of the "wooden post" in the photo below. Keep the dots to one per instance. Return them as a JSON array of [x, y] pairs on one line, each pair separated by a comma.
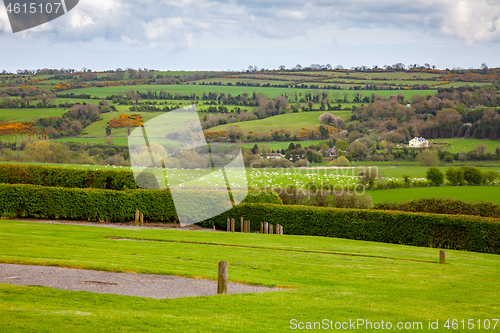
[[214, 227], [442, 257], [281, 230], [271, 229], [242, 226], [222, 282], [266, 228], [142, 219], [233, 225], [261, 227], [248, 226], [136, 217], [278, 229], [228, 225]]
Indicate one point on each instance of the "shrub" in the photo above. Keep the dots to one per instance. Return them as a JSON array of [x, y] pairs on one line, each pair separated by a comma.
[[67, 177], [455, 176], [324, 196], [97, 204], [339, 161], [444, 206], [417, 229], [435, 176], [472, 175]]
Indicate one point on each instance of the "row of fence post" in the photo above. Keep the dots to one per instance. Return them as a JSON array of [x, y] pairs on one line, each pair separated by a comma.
[[265, 227]]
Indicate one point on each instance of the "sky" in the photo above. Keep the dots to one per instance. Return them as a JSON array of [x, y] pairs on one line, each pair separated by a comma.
[[236, 34]]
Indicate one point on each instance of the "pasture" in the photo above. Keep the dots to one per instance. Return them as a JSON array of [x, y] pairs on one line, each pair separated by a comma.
[[292, 122], [465, 193], [198, 90], [326, 278], [458, 145]]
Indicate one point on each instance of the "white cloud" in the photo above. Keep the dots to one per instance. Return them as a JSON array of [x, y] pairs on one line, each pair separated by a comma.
[[174, 24]]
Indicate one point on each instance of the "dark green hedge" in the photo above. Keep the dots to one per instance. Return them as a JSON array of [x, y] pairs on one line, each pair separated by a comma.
[[418, 229], [67, 177], [444, 206], [96, 204]]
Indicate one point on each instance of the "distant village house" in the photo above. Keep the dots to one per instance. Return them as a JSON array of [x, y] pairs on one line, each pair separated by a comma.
[[419, 143]]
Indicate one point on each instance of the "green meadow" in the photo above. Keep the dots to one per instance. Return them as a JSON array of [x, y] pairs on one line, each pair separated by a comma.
[[465, 193], [329, 279], [458, 145], [287, 122]]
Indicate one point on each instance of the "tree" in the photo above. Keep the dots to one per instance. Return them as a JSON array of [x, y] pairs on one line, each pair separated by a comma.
[[472, 175], [368, 176], [255, 149], [340, 161], [455, 176], [108, 130], [435, 176], [428, 157]]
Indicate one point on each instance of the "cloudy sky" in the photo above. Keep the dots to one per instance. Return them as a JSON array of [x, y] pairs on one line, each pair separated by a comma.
[[233, 34]]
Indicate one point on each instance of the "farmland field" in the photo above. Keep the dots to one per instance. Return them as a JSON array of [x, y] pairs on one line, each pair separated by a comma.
[[22, 115], [287, 122], [233, 90], [465, 193], [328, 278], [458, 145]]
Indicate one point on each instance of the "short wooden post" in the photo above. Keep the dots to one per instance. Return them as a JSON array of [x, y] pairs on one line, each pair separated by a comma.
[[242, 226], [248, 226], [228, 224], [222, 282], [233, 225], [261, 227], [281, 230], [214, 227], [136, 217], [271, 229], [266, 227], [442, 257], [278, 229], [142, 219]]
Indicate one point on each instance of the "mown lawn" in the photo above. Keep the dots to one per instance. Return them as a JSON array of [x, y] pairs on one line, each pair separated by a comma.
[[333, 279]]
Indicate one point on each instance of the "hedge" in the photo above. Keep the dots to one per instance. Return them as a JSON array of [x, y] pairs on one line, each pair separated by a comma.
[[67, 177], [99, 205], [457, 232], [444, 206]]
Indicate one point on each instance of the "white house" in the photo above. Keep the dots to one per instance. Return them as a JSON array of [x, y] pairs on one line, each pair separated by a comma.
[[419, 143], [274, 155]]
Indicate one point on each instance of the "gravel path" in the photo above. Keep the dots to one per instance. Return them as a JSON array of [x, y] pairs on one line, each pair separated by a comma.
[[141, 285]]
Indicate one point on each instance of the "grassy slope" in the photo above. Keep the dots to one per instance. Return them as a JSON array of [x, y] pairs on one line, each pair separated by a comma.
[[372, 285], [289, 122], [464, 145], [465, 193]]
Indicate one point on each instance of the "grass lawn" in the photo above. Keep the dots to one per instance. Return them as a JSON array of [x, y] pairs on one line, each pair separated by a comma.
[[465, 193], [333, 279]]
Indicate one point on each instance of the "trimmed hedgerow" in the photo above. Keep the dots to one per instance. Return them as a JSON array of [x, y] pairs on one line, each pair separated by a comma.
[[67, 177], [98, 205], [418, 229], [444, 206]]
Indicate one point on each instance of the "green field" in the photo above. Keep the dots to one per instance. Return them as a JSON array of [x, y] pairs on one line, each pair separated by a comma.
[[465, 193], [22, 115], [289, 122], [457, 145], [333, 279], [233, 90]]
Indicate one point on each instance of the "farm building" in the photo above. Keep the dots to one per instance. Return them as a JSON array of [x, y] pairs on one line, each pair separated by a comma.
[[419, 143], [274, 155]]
